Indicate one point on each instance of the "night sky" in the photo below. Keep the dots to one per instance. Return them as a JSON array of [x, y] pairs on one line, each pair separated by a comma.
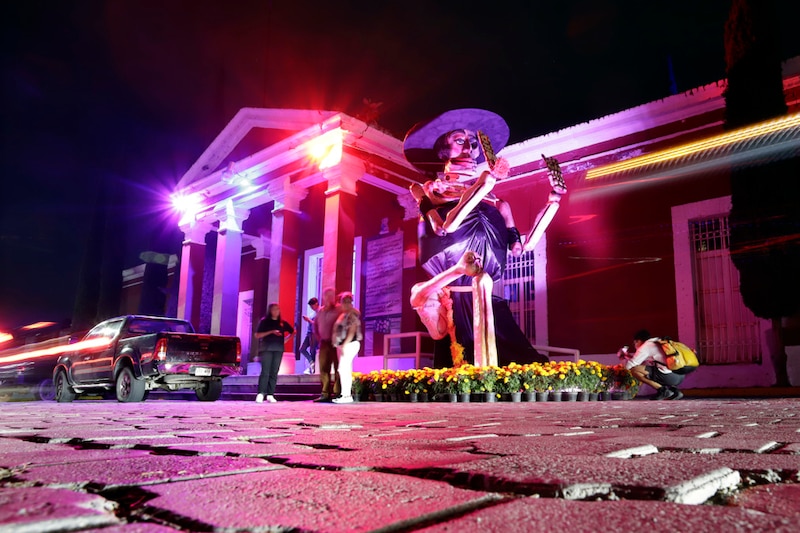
[[128, 93]]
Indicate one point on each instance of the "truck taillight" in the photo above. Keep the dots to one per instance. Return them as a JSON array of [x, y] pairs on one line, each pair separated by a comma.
[[238, 351], [161, 350]]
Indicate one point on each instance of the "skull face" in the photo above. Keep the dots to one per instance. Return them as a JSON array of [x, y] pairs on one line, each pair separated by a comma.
[[463, 144]]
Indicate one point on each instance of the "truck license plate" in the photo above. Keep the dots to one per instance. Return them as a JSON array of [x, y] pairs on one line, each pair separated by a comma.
[[200, 371]]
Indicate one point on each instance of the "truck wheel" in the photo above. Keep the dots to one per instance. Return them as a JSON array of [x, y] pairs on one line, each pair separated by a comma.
[[209, 391], [46, 390], [129, 389], [64, 392]]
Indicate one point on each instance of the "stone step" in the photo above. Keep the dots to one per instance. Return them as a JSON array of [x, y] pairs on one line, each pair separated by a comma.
[[290, 387]]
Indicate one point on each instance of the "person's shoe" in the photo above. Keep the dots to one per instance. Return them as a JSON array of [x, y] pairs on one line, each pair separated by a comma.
[[308, 371], [663, 394], [271, 399], [323, 399], [676, 394], [313, 369], [259, 398], [343, 399]]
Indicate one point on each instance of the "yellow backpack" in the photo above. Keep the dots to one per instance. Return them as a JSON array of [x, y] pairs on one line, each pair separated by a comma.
[[680, 358]]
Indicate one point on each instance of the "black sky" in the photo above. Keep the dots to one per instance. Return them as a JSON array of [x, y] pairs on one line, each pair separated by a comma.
[[129, 93]]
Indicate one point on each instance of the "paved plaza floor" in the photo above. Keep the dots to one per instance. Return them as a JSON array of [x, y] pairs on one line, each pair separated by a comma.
[[173, 465]]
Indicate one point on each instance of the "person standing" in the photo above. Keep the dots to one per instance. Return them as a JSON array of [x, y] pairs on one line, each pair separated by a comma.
[[272, 334], [347, 338], [309, 346], [323, 329], [649, 365]]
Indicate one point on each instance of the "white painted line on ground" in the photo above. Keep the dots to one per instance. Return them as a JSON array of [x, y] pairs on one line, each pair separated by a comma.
[[637, 451], [768, 447], [471, 437], [698, 490], [581, 491], [707, 435]]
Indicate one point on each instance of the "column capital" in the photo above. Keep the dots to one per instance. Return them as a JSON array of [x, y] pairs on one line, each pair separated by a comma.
[[409, 204], [261, 244], [286, 195], [195, 232], [231, 217], [344, 176]]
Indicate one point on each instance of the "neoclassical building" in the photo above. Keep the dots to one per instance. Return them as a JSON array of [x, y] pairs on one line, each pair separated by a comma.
[[286, 202]]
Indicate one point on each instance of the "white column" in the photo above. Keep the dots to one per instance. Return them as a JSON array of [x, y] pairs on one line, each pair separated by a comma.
[[339, 231], [190, 283], [227, 269], [283, 251]]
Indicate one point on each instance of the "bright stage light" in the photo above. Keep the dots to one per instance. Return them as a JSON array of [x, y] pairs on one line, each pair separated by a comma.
[[782, 124], [5, 337], [327, 149], [186, 203]]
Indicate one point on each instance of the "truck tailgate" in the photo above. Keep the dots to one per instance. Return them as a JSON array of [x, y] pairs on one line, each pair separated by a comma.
[[198, 348]]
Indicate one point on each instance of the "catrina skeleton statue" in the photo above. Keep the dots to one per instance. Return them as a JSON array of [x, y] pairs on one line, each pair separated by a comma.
[[466, 233]]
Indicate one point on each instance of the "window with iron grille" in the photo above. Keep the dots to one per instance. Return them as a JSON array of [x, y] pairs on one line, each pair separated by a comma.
[[519, 290], [727, 331]]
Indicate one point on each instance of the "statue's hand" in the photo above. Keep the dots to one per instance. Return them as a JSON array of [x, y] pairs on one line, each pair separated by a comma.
[[501, 168]]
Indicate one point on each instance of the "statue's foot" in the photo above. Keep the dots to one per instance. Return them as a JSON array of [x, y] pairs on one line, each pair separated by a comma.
[[469, 264]]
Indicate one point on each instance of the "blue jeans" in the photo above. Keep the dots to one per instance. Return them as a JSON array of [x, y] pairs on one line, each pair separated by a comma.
[[309, 347], [270, 365]]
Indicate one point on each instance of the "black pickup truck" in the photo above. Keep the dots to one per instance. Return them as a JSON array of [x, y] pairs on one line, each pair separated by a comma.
[[134, 354]]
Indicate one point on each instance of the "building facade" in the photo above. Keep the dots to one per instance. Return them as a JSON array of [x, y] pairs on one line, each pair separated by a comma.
[[640, 240]]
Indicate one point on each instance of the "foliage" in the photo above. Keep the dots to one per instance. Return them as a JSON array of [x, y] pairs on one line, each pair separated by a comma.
[[586, 376]]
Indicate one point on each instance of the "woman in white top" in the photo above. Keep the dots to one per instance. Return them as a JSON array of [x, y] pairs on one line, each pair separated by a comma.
[[347, 339]]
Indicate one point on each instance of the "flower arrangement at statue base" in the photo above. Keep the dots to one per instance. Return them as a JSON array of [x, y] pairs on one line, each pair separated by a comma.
[[508, 382]]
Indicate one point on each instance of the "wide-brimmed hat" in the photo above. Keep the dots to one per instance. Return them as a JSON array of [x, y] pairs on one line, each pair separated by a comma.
[[419, 141]]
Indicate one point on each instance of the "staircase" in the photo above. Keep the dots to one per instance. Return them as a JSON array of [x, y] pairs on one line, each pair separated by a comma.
[[290, 387]]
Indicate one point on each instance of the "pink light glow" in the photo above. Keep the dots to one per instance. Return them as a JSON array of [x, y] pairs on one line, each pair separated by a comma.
[[5, 337], [56, 350]]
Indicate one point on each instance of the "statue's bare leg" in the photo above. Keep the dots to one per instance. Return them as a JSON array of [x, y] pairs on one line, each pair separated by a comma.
[[483, 321], [430, 298]]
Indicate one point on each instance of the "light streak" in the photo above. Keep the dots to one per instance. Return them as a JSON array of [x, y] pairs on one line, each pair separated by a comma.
[[723, 139], [95, 344], [37, 325]]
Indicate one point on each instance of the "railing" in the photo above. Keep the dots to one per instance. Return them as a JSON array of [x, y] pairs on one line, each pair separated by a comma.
[[576, 354], [417, 354]]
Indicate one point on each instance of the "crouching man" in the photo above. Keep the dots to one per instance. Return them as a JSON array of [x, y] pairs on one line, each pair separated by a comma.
[[649, 365]]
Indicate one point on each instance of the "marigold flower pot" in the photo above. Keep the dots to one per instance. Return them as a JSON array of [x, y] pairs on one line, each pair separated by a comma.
[[570, 396], [529, 396]]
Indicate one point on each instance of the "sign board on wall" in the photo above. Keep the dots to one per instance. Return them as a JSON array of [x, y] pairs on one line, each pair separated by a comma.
[[383, 292], [384, 276]]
